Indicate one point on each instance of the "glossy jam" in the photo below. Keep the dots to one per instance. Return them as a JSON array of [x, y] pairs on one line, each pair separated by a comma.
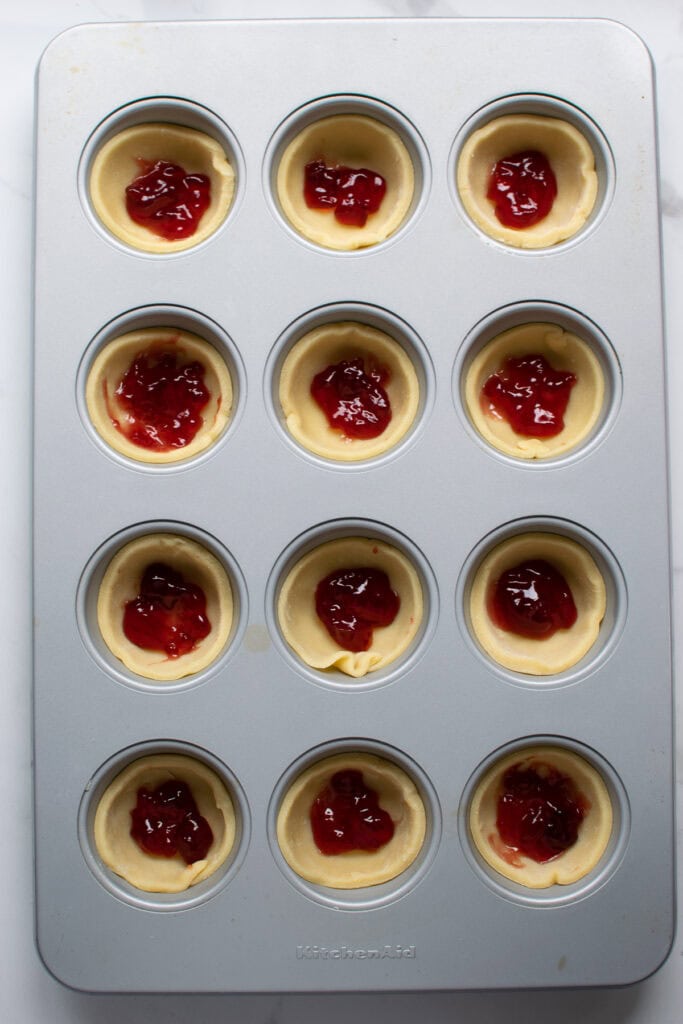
[[169, 614], [522, 187], [168, 200], [353, 193], [529, 394], [166, 822], [162, 399], [351, 603], [353, 400], [532, 599], [346, 816], [539, 812]]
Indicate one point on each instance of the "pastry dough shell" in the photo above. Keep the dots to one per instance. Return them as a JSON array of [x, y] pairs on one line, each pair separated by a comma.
[[120, 852], [116, 165], [115, 359], [354, 869], [565, 647], [121, 582], [306, 634], [564, 351], [594, 833], [572, 162], [328, 345], [350, 140]]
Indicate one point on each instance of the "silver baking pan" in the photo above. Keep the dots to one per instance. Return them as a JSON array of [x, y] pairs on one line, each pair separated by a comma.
[[257, 500]]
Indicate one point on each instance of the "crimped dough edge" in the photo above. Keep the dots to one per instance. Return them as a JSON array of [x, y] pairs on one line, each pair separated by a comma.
[[306, 634]]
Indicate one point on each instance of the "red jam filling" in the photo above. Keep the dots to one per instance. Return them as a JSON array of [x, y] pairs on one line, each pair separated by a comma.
[[353, 193], [352, 602], [168, 614], [533, 600], [353, 401], [539, 812], [162, 399], [166, 822], [346, 816], [530, 394], [168, 200], [522, 188]]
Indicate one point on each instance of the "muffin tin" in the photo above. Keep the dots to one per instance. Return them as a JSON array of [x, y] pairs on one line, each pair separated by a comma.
[[258, 500]]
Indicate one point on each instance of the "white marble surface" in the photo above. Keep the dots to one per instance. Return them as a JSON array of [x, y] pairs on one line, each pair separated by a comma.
[[27, 992]]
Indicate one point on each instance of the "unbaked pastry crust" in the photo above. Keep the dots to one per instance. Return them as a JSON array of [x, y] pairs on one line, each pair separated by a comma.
[[594, 832], [354, 869], [328, 345], [121, 852], [566, 646], [306, 634], [121, 582], [564, 351], [350, 140], [115, 359], [116, 165], [572, 162]]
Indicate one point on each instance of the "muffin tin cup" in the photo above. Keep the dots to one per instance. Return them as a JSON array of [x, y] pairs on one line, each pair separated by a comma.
[[369, 897], [164, 315], [87, 597], [332, 678], [119, 887], [443, 710], [542, 106], [364, 106], [611, 626], [569, 320], [555, 895], [371, 316], [167, 110]]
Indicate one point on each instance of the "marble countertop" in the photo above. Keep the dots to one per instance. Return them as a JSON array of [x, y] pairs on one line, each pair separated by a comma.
[[27, 992]]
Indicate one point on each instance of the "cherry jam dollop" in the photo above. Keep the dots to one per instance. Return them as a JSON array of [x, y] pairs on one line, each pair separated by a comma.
[[354, 400], [530, 394], [523, 188], [168, 614], [352, 602], [346, 816], [166, 821], [167, 200], [353, 193], [539, 811], [532, 599], [163, 399]]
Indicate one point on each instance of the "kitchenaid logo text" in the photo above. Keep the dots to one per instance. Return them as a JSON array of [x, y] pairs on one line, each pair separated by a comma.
[[355, 953]]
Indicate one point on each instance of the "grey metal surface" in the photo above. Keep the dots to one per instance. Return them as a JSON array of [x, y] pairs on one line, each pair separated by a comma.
[[449, 924]]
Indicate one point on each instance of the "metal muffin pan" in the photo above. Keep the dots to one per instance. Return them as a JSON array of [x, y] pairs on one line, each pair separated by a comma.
[[442, 289]]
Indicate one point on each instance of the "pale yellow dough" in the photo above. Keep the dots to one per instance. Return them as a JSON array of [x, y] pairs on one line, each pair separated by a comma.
[[306, 634], [121, 582], [349, 140], [566, 646], [121, 852], [594, 832], [114, 360], [564, 351], [328, 345], [355, 869], [116, 165], [572, 162]]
